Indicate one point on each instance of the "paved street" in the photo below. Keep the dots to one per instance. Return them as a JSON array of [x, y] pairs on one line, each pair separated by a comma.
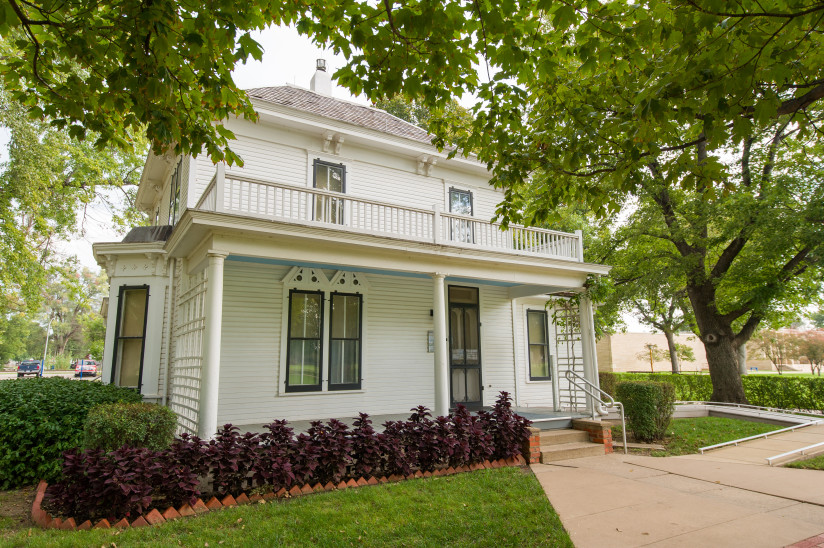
[[67, 374]]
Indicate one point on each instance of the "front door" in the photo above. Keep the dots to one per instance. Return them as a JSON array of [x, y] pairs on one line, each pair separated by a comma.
[[465, 347]]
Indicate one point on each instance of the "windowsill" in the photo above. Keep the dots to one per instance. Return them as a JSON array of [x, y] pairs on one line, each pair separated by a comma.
[[539, 381], [320, 393]]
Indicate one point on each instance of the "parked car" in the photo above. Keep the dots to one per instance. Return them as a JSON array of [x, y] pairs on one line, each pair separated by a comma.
[[30, 367], [85, 368]]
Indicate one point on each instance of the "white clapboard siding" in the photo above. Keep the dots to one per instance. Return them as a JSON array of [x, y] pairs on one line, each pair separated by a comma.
[[496, 342], [398, 371], [204, 171], [185, 165], [270, 161], [383, 184], [531, 393], [250, 341]]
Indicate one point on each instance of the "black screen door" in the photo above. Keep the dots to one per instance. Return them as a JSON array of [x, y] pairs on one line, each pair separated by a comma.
[[465, 347]]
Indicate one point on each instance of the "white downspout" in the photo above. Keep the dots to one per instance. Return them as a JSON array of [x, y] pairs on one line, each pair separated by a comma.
[[515, 348]]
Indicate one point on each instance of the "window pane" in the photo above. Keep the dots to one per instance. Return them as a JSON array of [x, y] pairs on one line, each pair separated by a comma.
[[537, 327], [460, 202], [465, 295], [538, 361], [304, 362], [345, 317], [133, 313], [344, 360], [130, 353], [329, 177], [473, 354], [305, 318], [456, 334]]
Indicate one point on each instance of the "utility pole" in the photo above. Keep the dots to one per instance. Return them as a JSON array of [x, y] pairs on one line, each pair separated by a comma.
[[46, 349]]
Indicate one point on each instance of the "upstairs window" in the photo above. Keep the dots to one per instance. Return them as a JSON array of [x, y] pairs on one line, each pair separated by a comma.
[[538, 337], [345, 342], [174, 195], [332, 178], [460, 203]]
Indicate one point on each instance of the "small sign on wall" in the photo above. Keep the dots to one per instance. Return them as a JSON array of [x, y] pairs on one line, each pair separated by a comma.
[[430, 341]]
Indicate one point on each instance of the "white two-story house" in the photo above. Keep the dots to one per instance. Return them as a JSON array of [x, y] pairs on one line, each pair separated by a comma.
[[348, 266]]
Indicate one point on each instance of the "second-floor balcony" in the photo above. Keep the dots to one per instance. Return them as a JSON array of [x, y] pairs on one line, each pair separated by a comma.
[[240, 195]]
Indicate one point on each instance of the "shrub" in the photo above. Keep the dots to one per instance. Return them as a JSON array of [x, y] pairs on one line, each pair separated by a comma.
[[121, 483], [508, 430], [649, 407], [366, 453], [785, 391], [607, 382], [333, 446], [131, 480], [113, 425], [231, 457], [42, 418]]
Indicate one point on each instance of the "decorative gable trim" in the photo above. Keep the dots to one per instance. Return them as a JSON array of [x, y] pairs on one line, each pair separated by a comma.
[[304, 277], [349, 282]]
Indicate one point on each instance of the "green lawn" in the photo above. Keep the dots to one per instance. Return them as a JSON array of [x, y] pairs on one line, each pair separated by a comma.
[[813, 463], [686, 436], [503, 507]]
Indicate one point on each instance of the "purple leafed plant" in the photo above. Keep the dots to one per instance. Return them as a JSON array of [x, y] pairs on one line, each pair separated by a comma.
[[129, 481]]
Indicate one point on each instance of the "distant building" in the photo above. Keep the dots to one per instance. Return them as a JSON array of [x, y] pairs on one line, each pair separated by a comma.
[[619, 353]]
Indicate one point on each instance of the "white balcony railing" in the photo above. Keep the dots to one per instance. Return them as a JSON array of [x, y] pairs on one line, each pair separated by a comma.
[[309, 206]]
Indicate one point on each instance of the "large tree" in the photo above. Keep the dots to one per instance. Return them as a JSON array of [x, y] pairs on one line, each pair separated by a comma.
[[609, 102], [114, 68], [48, 182]]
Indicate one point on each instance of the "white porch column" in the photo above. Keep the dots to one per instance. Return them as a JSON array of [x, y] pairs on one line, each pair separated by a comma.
[[441, 344], [210, 368], [588, 345]]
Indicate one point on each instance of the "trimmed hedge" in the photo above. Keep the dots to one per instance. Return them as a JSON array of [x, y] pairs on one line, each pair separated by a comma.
[[785, 392], [649, 407], [43, 417], [112, 425]]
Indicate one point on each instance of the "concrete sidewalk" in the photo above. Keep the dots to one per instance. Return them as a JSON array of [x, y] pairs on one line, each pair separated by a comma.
[[626, 500], [757, 451]]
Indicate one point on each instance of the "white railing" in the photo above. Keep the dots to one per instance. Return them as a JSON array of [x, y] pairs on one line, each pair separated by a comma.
[[209, 199], [602, 398], [241, 195]]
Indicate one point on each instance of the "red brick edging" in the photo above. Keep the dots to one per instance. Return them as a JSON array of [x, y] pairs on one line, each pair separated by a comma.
[[155, 517]]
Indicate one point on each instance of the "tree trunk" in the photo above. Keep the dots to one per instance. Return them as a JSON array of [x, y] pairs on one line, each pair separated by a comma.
[[742, 359], [673, 352], [722, 357], [719, 343]]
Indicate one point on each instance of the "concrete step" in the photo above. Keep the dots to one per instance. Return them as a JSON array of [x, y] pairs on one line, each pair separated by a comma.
[[575, 450], [554, 437]]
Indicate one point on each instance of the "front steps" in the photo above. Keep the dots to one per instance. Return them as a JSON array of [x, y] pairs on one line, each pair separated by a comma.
[[567, 444]]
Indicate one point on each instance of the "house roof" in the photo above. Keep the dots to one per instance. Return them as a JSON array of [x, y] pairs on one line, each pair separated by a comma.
[[148, 234], [337, 109]]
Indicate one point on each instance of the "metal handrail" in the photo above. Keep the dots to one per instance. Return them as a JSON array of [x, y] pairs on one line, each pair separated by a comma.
[[748, 406], [572, 377], [760, 436], [793, 452]]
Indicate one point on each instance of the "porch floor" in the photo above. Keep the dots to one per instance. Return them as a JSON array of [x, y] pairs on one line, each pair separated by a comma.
[[544, 418]]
